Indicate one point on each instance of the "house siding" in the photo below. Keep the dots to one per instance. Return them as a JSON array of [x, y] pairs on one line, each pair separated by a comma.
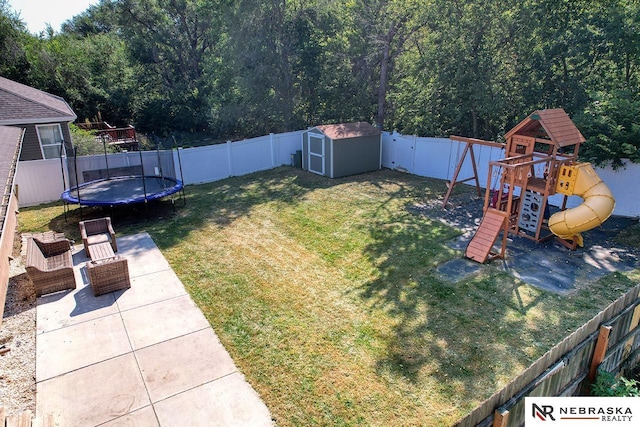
[[31, 145]]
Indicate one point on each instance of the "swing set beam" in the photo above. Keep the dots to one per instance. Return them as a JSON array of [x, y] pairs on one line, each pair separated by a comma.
[[468, 148]]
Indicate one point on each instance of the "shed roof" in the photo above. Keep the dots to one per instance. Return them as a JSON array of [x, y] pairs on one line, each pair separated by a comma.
[[348, 130], [555, 122], [22, 104]]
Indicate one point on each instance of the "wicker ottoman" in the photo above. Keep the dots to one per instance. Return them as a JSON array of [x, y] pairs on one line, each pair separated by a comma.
[[108, 275]]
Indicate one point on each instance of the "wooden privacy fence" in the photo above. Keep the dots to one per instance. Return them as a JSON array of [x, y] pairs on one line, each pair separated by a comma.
[[8, 225], [608, 342]]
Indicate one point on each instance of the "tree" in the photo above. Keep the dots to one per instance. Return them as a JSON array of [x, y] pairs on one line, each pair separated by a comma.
[[13, 33], [99, 18], [261, 48], [458, 75], [246, 68], [611, 125], [173, 41], [384, 27]]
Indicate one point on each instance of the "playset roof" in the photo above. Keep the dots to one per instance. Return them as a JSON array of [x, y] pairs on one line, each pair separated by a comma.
[[554, 122]]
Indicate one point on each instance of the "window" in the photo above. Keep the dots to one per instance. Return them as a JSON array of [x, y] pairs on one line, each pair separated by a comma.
[[50, 137]]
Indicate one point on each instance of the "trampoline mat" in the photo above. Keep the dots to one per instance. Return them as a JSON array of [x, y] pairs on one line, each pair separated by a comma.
[[122, 190]]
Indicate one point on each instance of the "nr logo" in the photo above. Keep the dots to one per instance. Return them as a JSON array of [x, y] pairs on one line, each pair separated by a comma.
[[544, 412]]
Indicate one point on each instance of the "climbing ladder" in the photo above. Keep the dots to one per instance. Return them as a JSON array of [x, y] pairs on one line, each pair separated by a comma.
[[479, 248]]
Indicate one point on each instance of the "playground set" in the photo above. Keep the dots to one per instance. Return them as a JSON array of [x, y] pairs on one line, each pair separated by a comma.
[[540, 161]]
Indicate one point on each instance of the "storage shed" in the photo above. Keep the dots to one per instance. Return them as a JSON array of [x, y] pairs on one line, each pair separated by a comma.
[[341, 150]]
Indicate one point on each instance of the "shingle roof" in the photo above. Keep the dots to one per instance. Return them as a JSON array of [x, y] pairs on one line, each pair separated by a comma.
[[20, 104], [10, 139], [555, 122], [348, 130]]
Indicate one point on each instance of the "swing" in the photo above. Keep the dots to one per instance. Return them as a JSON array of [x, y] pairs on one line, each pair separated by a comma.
[[468, 148], [497, 195]]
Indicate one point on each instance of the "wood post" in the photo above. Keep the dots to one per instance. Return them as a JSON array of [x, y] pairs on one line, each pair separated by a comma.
[[500, 418], [635, 320], [451, 184], [600, 351], [468, 148]]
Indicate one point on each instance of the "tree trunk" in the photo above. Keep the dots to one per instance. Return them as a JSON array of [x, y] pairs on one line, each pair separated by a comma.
[[474, 118], [384, 81]]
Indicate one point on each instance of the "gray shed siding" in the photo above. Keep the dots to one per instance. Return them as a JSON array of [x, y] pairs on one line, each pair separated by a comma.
[[355, 155], [344, 157]]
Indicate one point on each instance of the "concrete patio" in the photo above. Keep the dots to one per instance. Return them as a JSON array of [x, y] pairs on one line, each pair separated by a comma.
[[145, 356]]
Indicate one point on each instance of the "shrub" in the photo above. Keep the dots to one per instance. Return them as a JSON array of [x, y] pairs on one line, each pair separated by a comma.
[[607, 385], [86, 142]]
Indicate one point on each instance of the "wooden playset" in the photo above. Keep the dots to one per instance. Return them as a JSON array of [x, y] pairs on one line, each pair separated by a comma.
[[541, 160]]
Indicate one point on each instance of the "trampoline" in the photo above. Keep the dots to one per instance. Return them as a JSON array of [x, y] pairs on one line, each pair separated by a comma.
[[122, 190], [118, 179]]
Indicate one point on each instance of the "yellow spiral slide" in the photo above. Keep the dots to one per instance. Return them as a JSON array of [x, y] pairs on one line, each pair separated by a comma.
[[581, 180]]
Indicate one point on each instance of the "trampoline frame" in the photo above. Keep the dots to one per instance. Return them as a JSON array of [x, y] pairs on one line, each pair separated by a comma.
[[68, 197]]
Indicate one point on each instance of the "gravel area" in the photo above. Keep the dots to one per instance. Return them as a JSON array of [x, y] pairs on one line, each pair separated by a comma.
[[18, 335]]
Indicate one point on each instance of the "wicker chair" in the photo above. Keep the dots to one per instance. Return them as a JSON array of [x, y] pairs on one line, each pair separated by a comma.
[[97, 231], [108, 275], [49, 265]]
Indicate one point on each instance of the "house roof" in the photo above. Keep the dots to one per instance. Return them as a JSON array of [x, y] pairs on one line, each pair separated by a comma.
[[555, 123], [348, 130], [22, 104], [10, 140]]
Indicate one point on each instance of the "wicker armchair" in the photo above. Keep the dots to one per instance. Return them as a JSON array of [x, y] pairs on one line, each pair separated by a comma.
[[49, 265], [108, 275], [97, 231]]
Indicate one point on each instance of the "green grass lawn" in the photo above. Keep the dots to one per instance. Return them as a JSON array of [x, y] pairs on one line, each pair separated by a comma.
[[325, 294]]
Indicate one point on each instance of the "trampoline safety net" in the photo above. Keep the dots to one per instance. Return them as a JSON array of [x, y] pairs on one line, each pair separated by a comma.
[[119, 178]]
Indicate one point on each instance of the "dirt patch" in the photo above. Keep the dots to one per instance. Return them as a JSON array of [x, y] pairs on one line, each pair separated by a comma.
[[18, 336]]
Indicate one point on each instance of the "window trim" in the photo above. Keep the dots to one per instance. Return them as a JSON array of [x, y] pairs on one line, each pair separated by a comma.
[[40, 140]]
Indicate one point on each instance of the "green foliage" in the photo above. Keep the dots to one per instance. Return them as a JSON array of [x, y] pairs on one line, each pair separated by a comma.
[[13, 60], [608, 385], [612, 123], [86, 142], [171, 44], [467, 89], [240, 69]]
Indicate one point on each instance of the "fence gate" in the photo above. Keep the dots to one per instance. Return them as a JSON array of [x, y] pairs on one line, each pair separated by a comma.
[[316, 153]]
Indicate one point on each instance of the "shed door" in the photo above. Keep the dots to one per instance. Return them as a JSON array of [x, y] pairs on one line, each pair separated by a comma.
[[316, 153]]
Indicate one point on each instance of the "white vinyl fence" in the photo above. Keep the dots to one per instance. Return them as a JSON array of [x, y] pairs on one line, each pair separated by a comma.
[[41, 181], [438, 157]]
